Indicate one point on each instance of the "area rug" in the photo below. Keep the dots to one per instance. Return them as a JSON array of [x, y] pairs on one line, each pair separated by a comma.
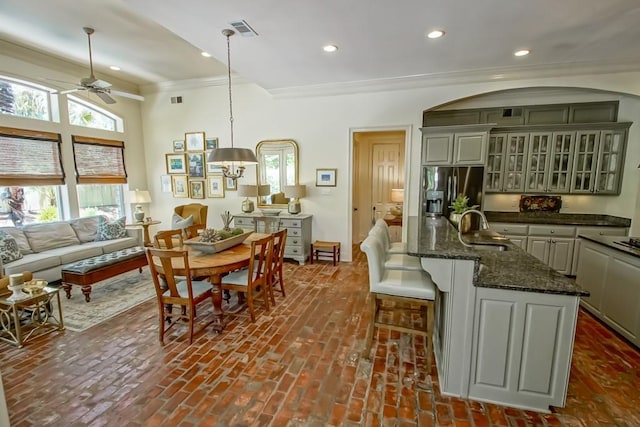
[[108, 299], [114, 296]]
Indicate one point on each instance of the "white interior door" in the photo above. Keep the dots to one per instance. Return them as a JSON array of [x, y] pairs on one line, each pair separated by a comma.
[[378, 167]]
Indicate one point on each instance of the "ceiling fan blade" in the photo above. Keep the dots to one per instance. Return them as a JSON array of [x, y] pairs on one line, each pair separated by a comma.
[[127, 95], [105, 97], [64, 92]]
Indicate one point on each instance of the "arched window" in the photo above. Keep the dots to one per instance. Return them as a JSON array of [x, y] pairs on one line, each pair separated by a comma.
[[82, 113], [20, 98]]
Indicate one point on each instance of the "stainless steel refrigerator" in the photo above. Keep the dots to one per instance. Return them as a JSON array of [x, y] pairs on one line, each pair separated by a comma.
[[442, 184]]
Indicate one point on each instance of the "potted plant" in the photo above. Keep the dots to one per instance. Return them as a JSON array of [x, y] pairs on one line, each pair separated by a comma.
[[459, 206]]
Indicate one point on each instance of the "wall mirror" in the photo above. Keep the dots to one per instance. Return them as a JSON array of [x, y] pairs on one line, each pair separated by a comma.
[[277, 166]]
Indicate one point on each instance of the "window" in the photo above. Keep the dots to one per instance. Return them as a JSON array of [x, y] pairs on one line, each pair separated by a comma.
[[26, 205], [100, 172], [84, 114], [18, 98]]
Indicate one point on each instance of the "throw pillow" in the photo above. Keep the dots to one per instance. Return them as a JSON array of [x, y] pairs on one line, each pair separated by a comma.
[[177, 222], [9, 248], [110, 230]]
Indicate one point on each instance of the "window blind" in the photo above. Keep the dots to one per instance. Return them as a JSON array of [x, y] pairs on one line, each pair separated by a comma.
[[30, 158], [99, 161]]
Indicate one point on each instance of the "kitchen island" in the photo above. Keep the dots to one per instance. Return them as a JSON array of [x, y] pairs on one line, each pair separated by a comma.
[[504, 322]]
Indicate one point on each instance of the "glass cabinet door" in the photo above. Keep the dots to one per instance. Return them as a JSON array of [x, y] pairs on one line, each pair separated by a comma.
[[609, 161], [514, 168], [495, 156], [561, 160], [585, 161], [537, 165]]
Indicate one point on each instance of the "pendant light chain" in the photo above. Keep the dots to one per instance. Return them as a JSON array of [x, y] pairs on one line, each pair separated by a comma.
[[229, 34]]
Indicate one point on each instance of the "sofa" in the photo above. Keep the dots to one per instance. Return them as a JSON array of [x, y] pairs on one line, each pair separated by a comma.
[[44, 248]]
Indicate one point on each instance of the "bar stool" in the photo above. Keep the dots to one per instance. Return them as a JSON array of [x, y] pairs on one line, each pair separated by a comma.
[[325, 249]]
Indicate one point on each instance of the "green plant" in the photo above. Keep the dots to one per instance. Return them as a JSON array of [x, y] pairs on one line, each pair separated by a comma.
[[461, 204], [48, 214]]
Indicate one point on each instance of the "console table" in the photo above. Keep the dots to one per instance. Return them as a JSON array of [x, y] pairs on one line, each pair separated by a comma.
[[298, 232]]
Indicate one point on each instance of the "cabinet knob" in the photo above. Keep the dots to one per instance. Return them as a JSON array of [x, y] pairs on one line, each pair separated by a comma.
[[552, 231], [295, 242]]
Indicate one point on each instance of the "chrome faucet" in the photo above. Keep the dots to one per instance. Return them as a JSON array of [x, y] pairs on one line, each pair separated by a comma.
[[484, 224]]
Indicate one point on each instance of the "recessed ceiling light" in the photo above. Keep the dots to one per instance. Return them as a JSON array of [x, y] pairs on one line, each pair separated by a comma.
[[115, 68], [330, 48], [205, 54], [435, 34], [522, 52]]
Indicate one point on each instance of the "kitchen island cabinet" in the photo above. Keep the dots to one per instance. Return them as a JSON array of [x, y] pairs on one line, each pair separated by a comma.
[[504, 323]]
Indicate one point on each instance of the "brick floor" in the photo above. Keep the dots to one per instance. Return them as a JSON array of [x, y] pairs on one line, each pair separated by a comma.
[[299, 365]]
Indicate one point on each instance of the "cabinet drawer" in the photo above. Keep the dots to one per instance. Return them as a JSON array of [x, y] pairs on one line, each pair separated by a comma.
[[509, 228], [243, 222], [293, 232], [294, 240], [602, 231], [291, 251], [552, 230], [288, 223]]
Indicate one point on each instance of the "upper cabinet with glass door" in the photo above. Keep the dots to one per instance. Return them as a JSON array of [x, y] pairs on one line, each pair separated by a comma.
[[277, 166]]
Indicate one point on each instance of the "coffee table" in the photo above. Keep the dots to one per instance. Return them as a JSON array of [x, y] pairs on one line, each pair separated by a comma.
[[30, 317]]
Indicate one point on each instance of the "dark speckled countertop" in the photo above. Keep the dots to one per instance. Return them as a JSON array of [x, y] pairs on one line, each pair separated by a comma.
[[612, 242], [512, 269], [558, 218]]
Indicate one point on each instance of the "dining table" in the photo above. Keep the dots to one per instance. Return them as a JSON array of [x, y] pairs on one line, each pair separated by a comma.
[[215, 266]]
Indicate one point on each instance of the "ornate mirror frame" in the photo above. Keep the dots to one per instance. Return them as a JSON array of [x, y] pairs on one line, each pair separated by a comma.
[[271, 155]]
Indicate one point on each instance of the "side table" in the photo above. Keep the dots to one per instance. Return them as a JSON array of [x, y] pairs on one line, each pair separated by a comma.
[[29, 317], [145, 230]]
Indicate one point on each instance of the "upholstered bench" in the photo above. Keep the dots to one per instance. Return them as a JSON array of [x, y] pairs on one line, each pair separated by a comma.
[[95, 269]]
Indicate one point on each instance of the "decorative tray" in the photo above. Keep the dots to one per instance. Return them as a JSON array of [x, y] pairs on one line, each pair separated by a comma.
[[220, 245], [540, 203]]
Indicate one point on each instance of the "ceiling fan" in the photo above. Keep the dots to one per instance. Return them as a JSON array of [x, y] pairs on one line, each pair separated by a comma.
[[100, 87]]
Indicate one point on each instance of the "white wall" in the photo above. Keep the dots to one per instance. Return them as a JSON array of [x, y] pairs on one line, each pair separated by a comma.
[[321, 127]]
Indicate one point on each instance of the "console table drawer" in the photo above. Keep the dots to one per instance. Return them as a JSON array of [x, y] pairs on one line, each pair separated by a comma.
[[288, 223], [243, 222], [293, 232]]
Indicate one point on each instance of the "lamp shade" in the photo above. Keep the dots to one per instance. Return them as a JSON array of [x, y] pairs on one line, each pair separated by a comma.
[[264, 190], [295, 191], [397, 195], [139, 196], [232, 155], [248, 190]]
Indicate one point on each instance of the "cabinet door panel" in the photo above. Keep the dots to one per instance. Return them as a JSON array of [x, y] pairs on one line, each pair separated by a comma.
[[495, 162], [469, 148], [561, 161], [538, 161], [539, 247], [496, 319], [622, 298], [515, 162], [561, 255], [585, 162], [519, 241], [437, 149], [610, 161], [591, 273]]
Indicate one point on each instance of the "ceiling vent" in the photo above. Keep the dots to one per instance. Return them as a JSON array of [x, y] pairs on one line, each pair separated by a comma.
[[243, 28], [512, 112]]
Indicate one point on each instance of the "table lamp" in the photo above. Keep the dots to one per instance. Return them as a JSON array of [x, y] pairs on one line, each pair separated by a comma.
[[397, 196], [248, 191], [294, 192], [139, 197]]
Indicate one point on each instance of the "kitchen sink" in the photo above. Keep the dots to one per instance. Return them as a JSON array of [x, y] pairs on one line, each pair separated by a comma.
[[489, 247]]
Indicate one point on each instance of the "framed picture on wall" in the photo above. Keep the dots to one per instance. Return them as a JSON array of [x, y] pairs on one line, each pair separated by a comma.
[[326, 177], [194, 140], [178, 145], [230, 184], [165, 184], [176, 163], [180, 185], [196, 189], [215, 186], [211, 144], [196, 164], [211, 168]]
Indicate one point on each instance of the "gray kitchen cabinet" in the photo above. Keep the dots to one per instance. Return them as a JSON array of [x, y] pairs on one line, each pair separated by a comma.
[[516, 233], [611, 276], [598, 160], [595, 231], [553, 245], [505, 167], [457, 145], [549, 162], [298, 244]]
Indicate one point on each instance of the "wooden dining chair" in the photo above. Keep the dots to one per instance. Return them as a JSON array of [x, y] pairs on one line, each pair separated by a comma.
[[253, 281], [168, 239], [276, 280], [193, 230], [180, 291]]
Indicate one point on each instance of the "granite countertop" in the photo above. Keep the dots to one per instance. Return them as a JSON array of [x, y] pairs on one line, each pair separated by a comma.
[[513, 269], [558, 218], [610, 241]]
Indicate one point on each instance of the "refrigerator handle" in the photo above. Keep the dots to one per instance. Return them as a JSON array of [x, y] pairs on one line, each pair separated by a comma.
[[455, 187], [449, 190]]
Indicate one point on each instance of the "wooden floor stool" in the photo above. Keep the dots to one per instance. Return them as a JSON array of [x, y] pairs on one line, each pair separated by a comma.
[[325, 249]]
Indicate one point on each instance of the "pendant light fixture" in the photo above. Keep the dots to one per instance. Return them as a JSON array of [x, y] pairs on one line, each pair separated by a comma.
[[227, 157]]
